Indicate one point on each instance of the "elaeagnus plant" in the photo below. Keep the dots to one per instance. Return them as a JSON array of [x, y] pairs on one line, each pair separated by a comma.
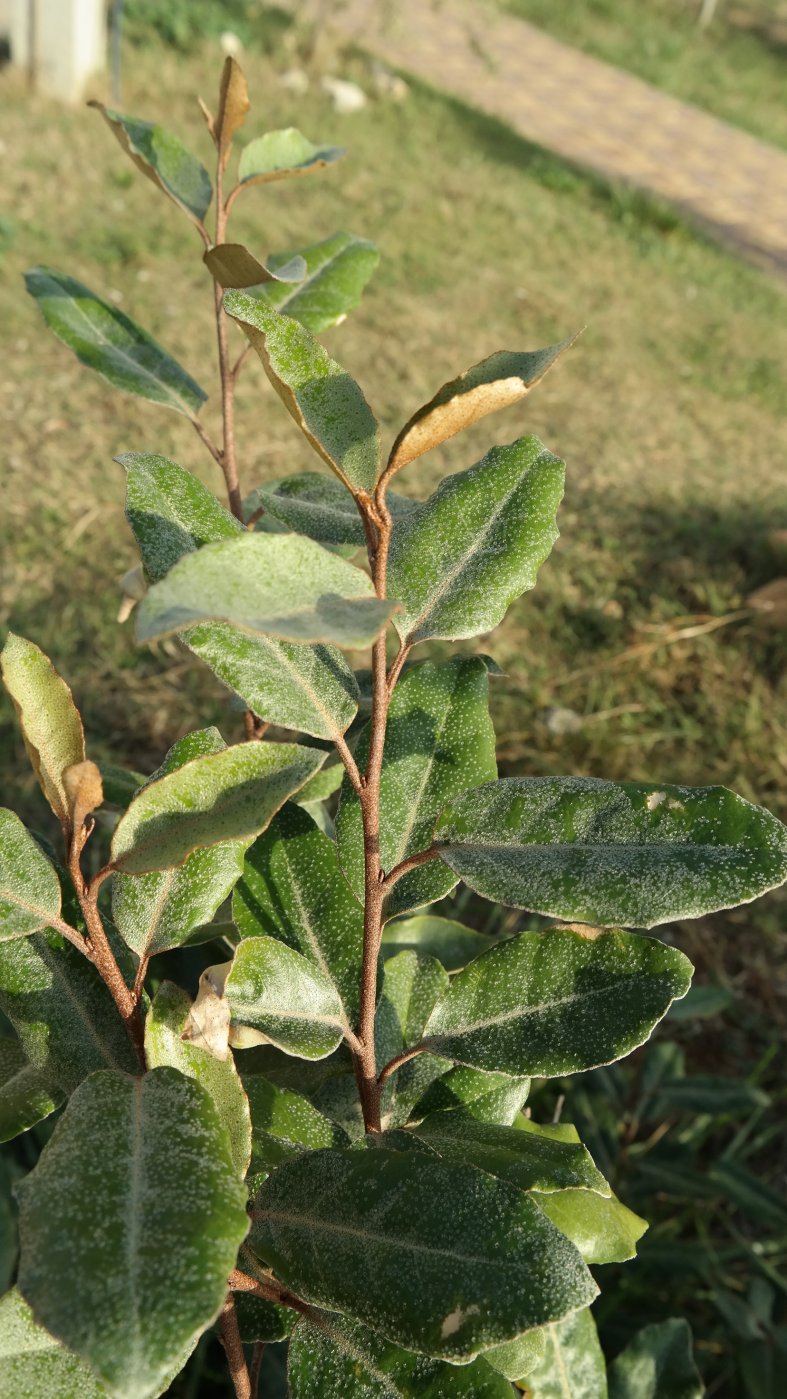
[[329, 1143]]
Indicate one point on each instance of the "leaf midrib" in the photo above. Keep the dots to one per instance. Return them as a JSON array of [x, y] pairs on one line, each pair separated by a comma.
[[387, 1240], [523, 1012]]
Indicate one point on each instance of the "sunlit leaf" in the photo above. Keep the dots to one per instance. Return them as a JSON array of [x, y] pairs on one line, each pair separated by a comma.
[[33, 1364], [163, 159], [412, 985], [319, 507], [489, 1097], [518, 1357], [572, 1364], [603, 1229], [49, 719], [451, 943], [29, 886], [280, 154], [336, 272], [232, 265], [277, 992], [284, 1124], [534, 1157], [233, 106]]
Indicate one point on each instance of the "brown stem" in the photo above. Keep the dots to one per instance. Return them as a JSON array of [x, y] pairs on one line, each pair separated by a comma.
[[139, 979], [71, 935], [101, 953], [269, 1289], [229, 1334], [255, 1369], [205, 437], [350, 766], [410, 863], [394, 1064], [227, 456]]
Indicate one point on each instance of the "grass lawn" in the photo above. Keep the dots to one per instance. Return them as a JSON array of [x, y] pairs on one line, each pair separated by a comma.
[[736, 68], [671, 412]]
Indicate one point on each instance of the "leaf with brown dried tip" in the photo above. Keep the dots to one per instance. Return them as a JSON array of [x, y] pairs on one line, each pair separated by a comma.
[[233, 106], [49, 719], [163, 159], [83, 787], [495, 383], [232, 265]]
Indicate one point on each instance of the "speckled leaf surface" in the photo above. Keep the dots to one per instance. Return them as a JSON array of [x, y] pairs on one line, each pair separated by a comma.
[[319, 507], [8, 1230], [134, 1214], [105, 339], [412, 984], [49, 719], [164, 1045], [278, 585], [29, 886], [163, 159], [657, 1364], [461, 558], [572, 1365], [603, 1228], [293, 889], [61, 1010], [442, 1259], [25, 1095], [280, 154], [155, 912], [284, 1124], [439, 740], [494, 383], [333, 1358], [451, 943], [612, 853], [320, 396], [489, 1097], [33, 1364], [230, 795], [309, 688], [336, 272], [531, 1156], [516, 1358], [547, 1004], [287, 998]]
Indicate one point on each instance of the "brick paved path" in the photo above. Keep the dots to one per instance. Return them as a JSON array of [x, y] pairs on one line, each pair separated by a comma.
[[591, 113]]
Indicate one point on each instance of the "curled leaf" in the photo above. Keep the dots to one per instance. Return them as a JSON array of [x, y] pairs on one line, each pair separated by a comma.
[[280, 154], [234, 104], [163, 159], [208, 1022], [232, 265], [82, 783], [49, 719]]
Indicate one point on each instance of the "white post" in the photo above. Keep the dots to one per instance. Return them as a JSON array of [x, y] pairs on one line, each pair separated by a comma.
[[61, 43]]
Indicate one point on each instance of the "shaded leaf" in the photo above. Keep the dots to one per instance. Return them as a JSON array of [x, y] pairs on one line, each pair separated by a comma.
[[259, 1320], [8, 1239], [319, 507], [333, 1358], [222, 796], [284, 1124], [489, 1097], [572, 1365], [495, 383], [278, 585], [163, 159], [106, 340], [29, 886], [232, 265], [120, 784], [412, 984], [154, 912], [707, 1093], [460, 559], [170, 512], [336, 273], [320, 396], [164, 1045], [288, 999], [603, 1229], [612, 853], [529, 1155], [293, 889], [233, 106], [518, 1357], [25, 1097], [440, 1258], [451, 943], [131, 1160], [280, 154], [34, 1364], [555, 1003], [61, 1010], [657, 1364], [439, 740], [49, 719]]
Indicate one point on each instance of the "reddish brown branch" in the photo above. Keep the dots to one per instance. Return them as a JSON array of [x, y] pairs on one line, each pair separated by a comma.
[[412, 862], [229, 1334], [403, 1058], [269, 1289]]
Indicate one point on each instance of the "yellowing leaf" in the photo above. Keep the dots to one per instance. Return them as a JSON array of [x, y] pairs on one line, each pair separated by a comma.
[[49, 719], [233, 106]]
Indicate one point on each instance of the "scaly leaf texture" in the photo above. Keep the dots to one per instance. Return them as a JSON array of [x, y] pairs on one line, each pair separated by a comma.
[[284, 1124], [163, 159], [450, 942], [49, 719], [534, 1157], [572, 1364], [287, 998], [412, 985], [603, 1229], [29, 886], [319, 507], [336, 272], [34, 1364], [25, 1097], [489, 1097]]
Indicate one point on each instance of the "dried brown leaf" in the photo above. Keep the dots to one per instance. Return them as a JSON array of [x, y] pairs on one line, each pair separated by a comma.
[[208, 1023], [232, 265], [82, 784], [233, 107]]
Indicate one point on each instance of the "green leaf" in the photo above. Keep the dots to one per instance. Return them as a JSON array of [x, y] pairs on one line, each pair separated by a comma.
[[534, 1157], [320, 396], [572, 1365], [164, 1045], [65, 1018], [154, 912], [222, 796], [518, 1357], [657, 1364], [164, 159], [285, 1124], [49, 719], [280, 585], [259, 1320], [412, 985], [309, 688], [462, 557], [439, 740], [106, 340], [451, 943], [33, 1364], [120, 784], [323, 785], [25, 1097], [488, 1097], [603, 1229], [134, 1215], [442, 1259], [288, 999], [612, 853], [8, 1234], [333, 1358], [555, 1003], [29, 886], [495, 383], [337, 270], [319, 507], [280, 154], [293, 889]]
